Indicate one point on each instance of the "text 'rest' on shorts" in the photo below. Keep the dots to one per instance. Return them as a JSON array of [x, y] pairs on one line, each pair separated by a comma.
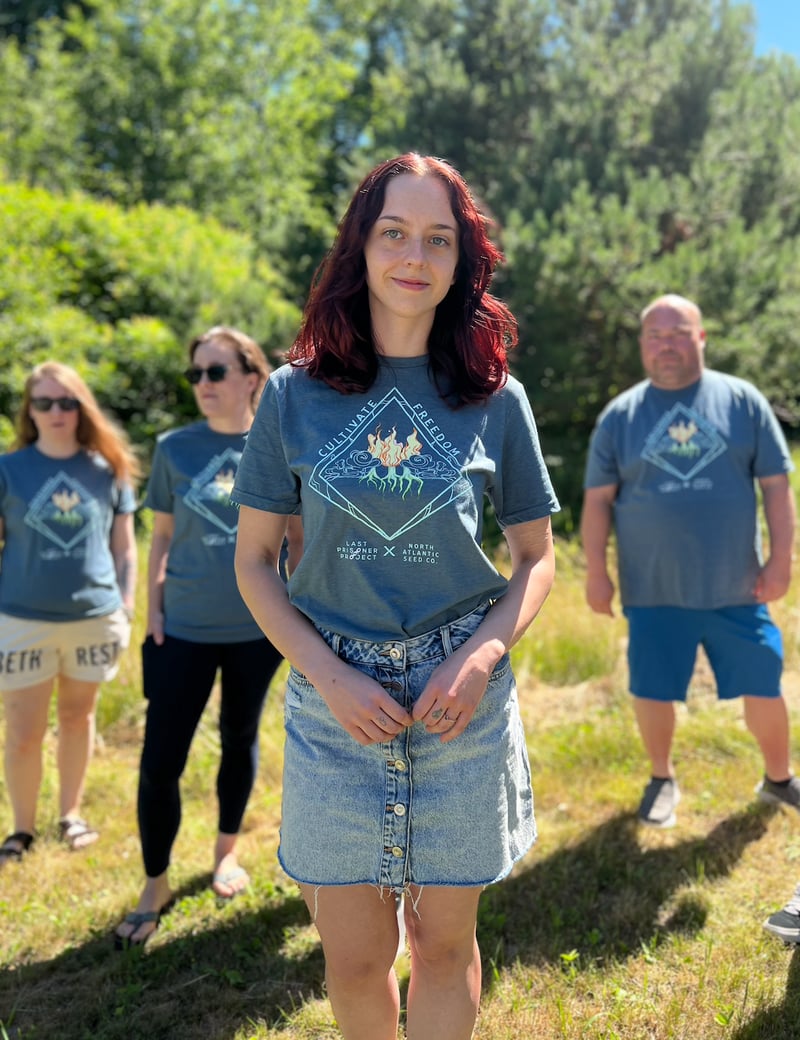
[[34, 651]]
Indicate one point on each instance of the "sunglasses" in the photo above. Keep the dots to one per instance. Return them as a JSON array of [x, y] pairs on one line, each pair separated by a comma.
[[215, 373], [66, 404]]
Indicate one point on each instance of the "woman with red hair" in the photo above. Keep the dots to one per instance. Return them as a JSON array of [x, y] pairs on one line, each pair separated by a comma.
[[394, 418]]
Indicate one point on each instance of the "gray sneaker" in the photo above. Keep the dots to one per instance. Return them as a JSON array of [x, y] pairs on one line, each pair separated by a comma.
[[786, 923], [660, 798], [776, 794]]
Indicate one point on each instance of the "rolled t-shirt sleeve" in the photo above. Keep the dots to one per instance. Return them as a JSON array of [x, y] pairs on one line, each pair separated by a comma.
[[160, 492], [264, 479], [602, 467], [522, 489], [772, 452], [124, 498]]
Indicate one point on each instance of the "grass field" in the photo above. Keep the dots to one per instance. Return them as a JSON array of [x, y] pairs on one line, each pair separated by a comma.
[[605, 931]]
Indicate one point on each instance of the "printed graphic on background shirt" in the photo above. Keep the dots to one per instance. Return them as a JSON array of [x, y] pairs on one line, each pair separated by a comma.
[[65, 513], [683, 444], [210, 495], [397, 452]]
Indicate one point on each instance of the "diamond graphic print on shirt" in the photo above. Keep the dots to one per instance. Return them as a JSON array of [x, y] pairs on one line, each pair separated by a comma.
[[63, 511], [683, 443], [392, 452], [210, 491]]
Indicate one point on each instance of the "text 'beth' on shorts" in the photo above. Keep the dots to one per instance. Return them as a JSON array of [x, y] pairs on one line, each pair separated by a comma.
[[411, 810], [743, 645], [37, 651]]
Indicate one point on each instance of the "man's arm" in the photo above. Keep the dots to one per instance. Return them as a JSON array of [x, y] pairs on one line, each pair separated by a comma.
[[779, 511], [596, 523]]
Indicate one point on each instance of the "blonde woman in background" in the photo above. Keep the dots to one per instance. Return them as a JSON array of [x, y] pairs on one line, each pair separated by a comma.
[[67, 585]]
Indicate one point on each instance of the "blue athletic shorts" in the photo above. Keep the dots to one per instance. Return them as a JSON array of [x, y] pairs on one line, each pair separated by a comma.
[[743, 645]]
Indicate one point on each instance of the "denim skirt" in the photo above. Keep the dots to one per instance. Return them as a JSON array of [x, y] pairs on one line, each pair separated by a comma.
[[411, 810]]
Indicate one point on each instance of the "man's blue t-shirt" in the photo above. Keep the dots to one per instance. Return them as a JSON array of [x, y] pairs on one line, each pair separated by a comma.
[[685, 462], [192, 476], [391, 485], [57, 515]]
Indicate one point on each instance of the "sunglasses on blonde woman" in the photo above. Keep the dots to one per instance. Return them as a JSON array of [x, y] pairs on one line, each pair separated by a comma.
[[44, 404], [215, 373]]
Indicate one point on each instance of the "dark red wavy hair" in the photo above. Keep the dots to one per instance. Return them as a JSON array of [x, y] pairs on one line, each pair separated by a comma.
[[472, 330]]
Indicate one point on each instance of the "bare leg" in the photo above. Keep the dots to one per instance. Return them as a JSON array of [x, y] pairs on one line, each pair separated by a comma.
[[445, 987], [768, 721], [76, 727], [656, 720], [26, 714], [358, 928]]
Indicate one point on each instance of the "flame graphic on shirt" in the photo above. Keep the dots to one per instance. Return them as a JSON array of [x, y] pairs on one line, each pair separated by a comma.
[[224, 481], [65, 503], [682, 433], [393, 454]]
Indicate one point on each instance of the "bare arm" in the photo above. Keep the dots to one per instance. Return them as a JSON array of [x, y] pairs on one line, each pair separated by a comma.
[[596, 523], [457, 686], [779, 511], [163, 529], [358, 703], [123, 550]]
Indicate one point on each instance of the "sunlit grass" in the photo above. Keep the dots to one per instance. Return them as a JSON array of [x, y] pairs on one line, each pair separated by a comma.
[[567, 644], [604, 931]]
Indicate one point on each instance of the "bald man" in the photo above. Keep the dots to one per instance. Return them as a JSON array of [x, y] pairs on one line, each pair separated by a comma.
[[673, 469]]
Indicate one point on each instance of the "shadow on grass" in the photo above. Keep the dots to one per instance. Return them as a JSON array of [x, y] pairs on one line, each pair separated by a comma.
[[606, 897], [781, 1022], [206, 984]]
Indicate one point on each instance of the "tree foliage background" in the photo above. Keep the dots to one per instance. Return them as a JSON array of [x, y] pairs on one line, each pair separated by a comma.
[[166, 164]]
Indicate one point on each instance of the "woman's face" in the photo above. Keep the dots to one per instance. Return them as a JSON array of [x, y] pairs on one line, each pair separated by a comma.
[[411, 251], [53, 411], [227, 397]]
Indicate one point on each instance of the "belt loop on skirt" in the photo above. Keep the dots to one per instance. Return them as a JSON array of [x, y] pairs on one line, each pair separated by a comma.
[[447, 643], [336, 642]]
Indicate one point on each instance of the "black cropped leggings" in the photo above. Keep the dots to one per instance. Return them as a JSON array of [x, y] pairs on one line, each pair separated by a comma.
[[178, 680]]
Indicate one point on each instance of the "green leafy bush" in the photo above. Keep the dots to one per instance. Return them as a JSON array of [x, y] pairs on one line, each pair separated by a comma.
[[118, 293]]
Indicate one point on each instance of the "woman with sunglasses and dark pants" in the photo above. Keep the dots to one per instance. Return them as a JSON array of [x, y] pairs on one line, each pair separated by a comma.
[[67, 586], [197, 623]]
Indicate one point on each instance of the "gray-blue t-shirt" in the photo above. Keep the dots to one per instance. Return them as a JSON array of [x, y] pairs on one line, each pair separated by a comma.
[[58, 514], [192, 476], [391, 484], [685, 462]]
